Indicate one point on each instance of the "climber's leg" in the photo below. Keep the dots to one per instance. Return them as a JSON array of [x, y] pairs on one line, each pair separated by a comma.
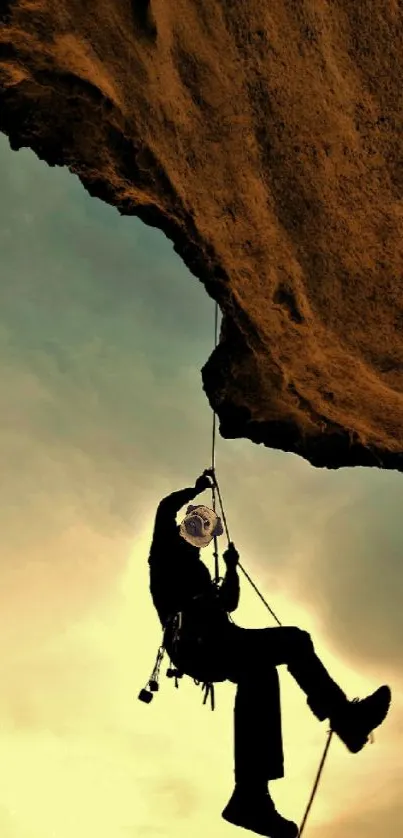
[[258, 745], [293, 647], [258, 751]]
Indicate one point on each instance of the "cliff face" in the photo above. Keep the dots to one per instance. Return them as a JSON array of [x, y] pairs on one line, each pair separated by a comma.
[[266, 140]]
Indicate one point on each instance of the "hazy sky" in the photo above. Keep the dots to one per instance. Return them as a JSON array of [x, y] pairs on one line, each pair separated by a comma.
[[103, 333]]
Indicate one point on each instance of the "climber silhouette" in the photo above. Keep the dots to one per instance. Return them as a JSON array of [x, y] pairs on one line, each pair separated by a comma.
[[180, 582]]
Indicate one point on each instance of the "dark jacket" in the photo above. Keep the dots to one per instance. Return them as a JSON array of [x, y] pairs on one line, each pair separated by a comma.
[[176, 571]]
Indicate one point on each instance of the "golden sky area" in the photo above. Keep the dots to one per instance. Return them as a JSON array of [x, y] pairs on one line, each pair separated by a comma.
[[102, 413]]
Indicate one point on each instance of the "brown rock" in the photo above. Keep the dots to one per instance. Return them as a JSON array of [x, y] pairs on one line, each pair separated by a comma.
[[266, 140]]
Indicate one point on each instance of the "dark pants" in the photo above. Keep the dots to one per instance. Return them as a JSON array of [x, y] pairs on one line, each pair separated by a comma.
[[253, 655]]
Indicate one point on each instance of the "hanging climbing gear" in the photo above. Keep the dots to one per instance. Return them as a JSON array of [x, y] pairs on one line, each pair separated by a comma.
[[191, 649], [208, 685]]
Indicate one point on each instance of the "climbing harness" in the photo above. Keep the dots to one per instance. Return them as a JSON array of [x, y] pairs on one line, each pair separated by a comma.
[[176, 624]]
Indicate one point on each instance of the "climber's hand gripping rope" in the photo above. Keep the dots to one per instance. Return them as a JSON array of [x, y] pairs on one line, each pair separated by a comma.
[[206, 480]]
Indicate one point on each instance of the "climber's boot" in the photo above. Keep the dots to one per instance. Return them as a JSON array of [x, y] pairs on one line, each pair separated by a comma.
[[356, 720], [258, 813]]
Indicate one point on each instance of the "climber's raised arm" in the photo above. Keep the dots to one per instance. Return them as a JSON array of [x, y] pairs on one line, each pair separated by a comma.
[[170, 506]]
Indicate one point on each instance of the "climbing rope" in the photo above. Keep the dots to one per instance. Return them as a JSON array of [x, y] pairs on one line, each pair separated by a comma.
[[214, 487]]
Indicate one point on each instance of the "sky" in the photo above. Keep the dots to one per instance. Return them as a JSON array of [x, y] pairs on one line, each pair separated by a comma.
[[103, 333]]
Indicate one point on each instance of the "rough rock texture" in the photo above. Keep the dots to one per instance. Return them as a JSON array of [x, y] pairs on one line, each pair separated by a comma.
[[265, 139]]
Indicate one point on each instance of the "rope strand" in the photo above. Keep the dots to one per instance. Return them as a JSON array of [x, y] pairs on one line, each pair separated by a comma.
[[216, 565], [214, 487], [316, 783]]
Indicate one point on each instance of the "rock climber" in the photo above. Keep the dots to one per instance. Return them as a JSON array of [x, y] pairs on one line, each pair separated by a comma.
[[181, 583]]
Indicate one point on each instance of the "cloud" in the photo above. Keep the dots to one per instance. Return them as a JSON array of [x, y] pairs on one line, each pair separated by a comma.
[[355, 574], [373, 818]]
